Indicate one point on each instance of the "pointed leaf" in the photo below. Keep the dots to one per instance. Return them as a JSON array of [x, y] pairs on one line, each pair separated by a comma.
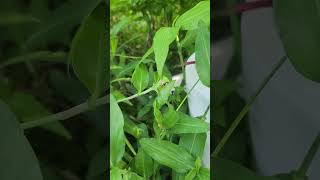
[[202, 54], [143, 164], [188, 124], [140, 77], [190, 19], [117, 142], [17, 159], [161, 42], [168, 154], [88, 52]]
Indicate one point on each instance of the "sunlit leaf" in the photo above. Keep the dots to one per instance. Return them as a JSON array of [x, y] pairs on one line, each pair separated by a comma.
[[140, 77]]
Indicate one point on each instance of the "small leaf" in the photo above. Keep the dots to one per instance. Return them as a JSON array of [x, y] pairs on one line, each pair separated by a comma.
[[140, 77], [202, 54], [168, 154], [170, 117], [143, 164], [88, 52], [116, 132], [161, 42], [118, 95], [164, 93], [299, 26], [190, 19], [18, 160], [131, 128], [188, 124], [132, 176]]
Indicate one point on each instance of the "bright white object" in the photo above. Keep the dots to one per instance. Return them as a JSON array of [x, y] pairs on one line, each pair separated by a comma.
[[198, 101], [285, 118]]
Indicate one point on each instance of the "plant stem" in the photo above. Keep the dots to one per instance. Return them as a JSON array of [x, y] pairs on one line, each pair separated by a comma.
[[125, 56], [185, 98], [310, 155], [136, 95], [180, 57], [246, 108], [130, 146], [121, 79], [64, 114]]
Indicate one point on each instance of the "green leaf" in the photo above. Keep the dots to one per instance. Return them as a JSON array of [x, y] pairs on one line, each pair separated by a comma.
[[131, 128], [140, 77], [132, 176], [116, 132], [27, 108], [203, 174], [88, 52], [118, 95], [189, 38], [18, 160], [143, 164], [190, 19], [299, 27], [161, 42], [188, 124], [193, 143], [202, 54], [164, 93], [98, 164], [115, 174], [168, 154], [170, 117], [61, 22], [223, 167]]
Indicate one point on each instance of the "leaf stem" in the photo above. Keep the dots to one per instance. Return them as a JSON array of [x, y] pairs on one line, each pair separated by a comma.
[[63, 115], [136, 95], [180, 57], [246, 108], [185, 98], [310, 155]]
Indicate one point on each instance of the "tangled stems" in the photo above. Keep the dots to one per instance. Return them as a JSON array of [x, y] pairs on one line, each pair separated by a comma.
[[246, 108]]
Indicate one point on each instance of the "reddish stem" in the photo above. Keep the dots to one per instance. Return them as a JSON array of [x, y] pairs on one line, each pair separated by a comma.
[[190, 62], [253, 5]]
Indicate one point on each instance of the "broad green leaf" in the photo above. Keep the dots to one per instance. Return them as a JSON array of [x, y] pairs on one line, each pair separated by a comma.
[[161, 42], [27, 108], [14, 18], [223, 167], [157, 115], [190, 19], [168, 154], [202, 54], [132, 176], [116, 132], [170, 117], [193, 143], [36, 56], [115, 174], [140, 77], [98, 164], [143, 164], [188, 124], [203, 174], [299, 26], [61, 22], [88, 52], [17, 159]]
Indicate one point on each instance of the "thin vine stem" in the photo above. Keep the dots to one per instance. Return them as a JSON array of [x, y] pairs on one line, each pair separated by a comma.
[[81, 108], [310, 155], [246, 108], [185, 98], [180, 57], [125, 56]]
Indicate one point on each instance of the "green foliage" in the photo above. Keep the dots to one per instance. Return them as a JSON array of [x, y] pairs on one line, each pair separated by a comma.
[[299, 27]]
